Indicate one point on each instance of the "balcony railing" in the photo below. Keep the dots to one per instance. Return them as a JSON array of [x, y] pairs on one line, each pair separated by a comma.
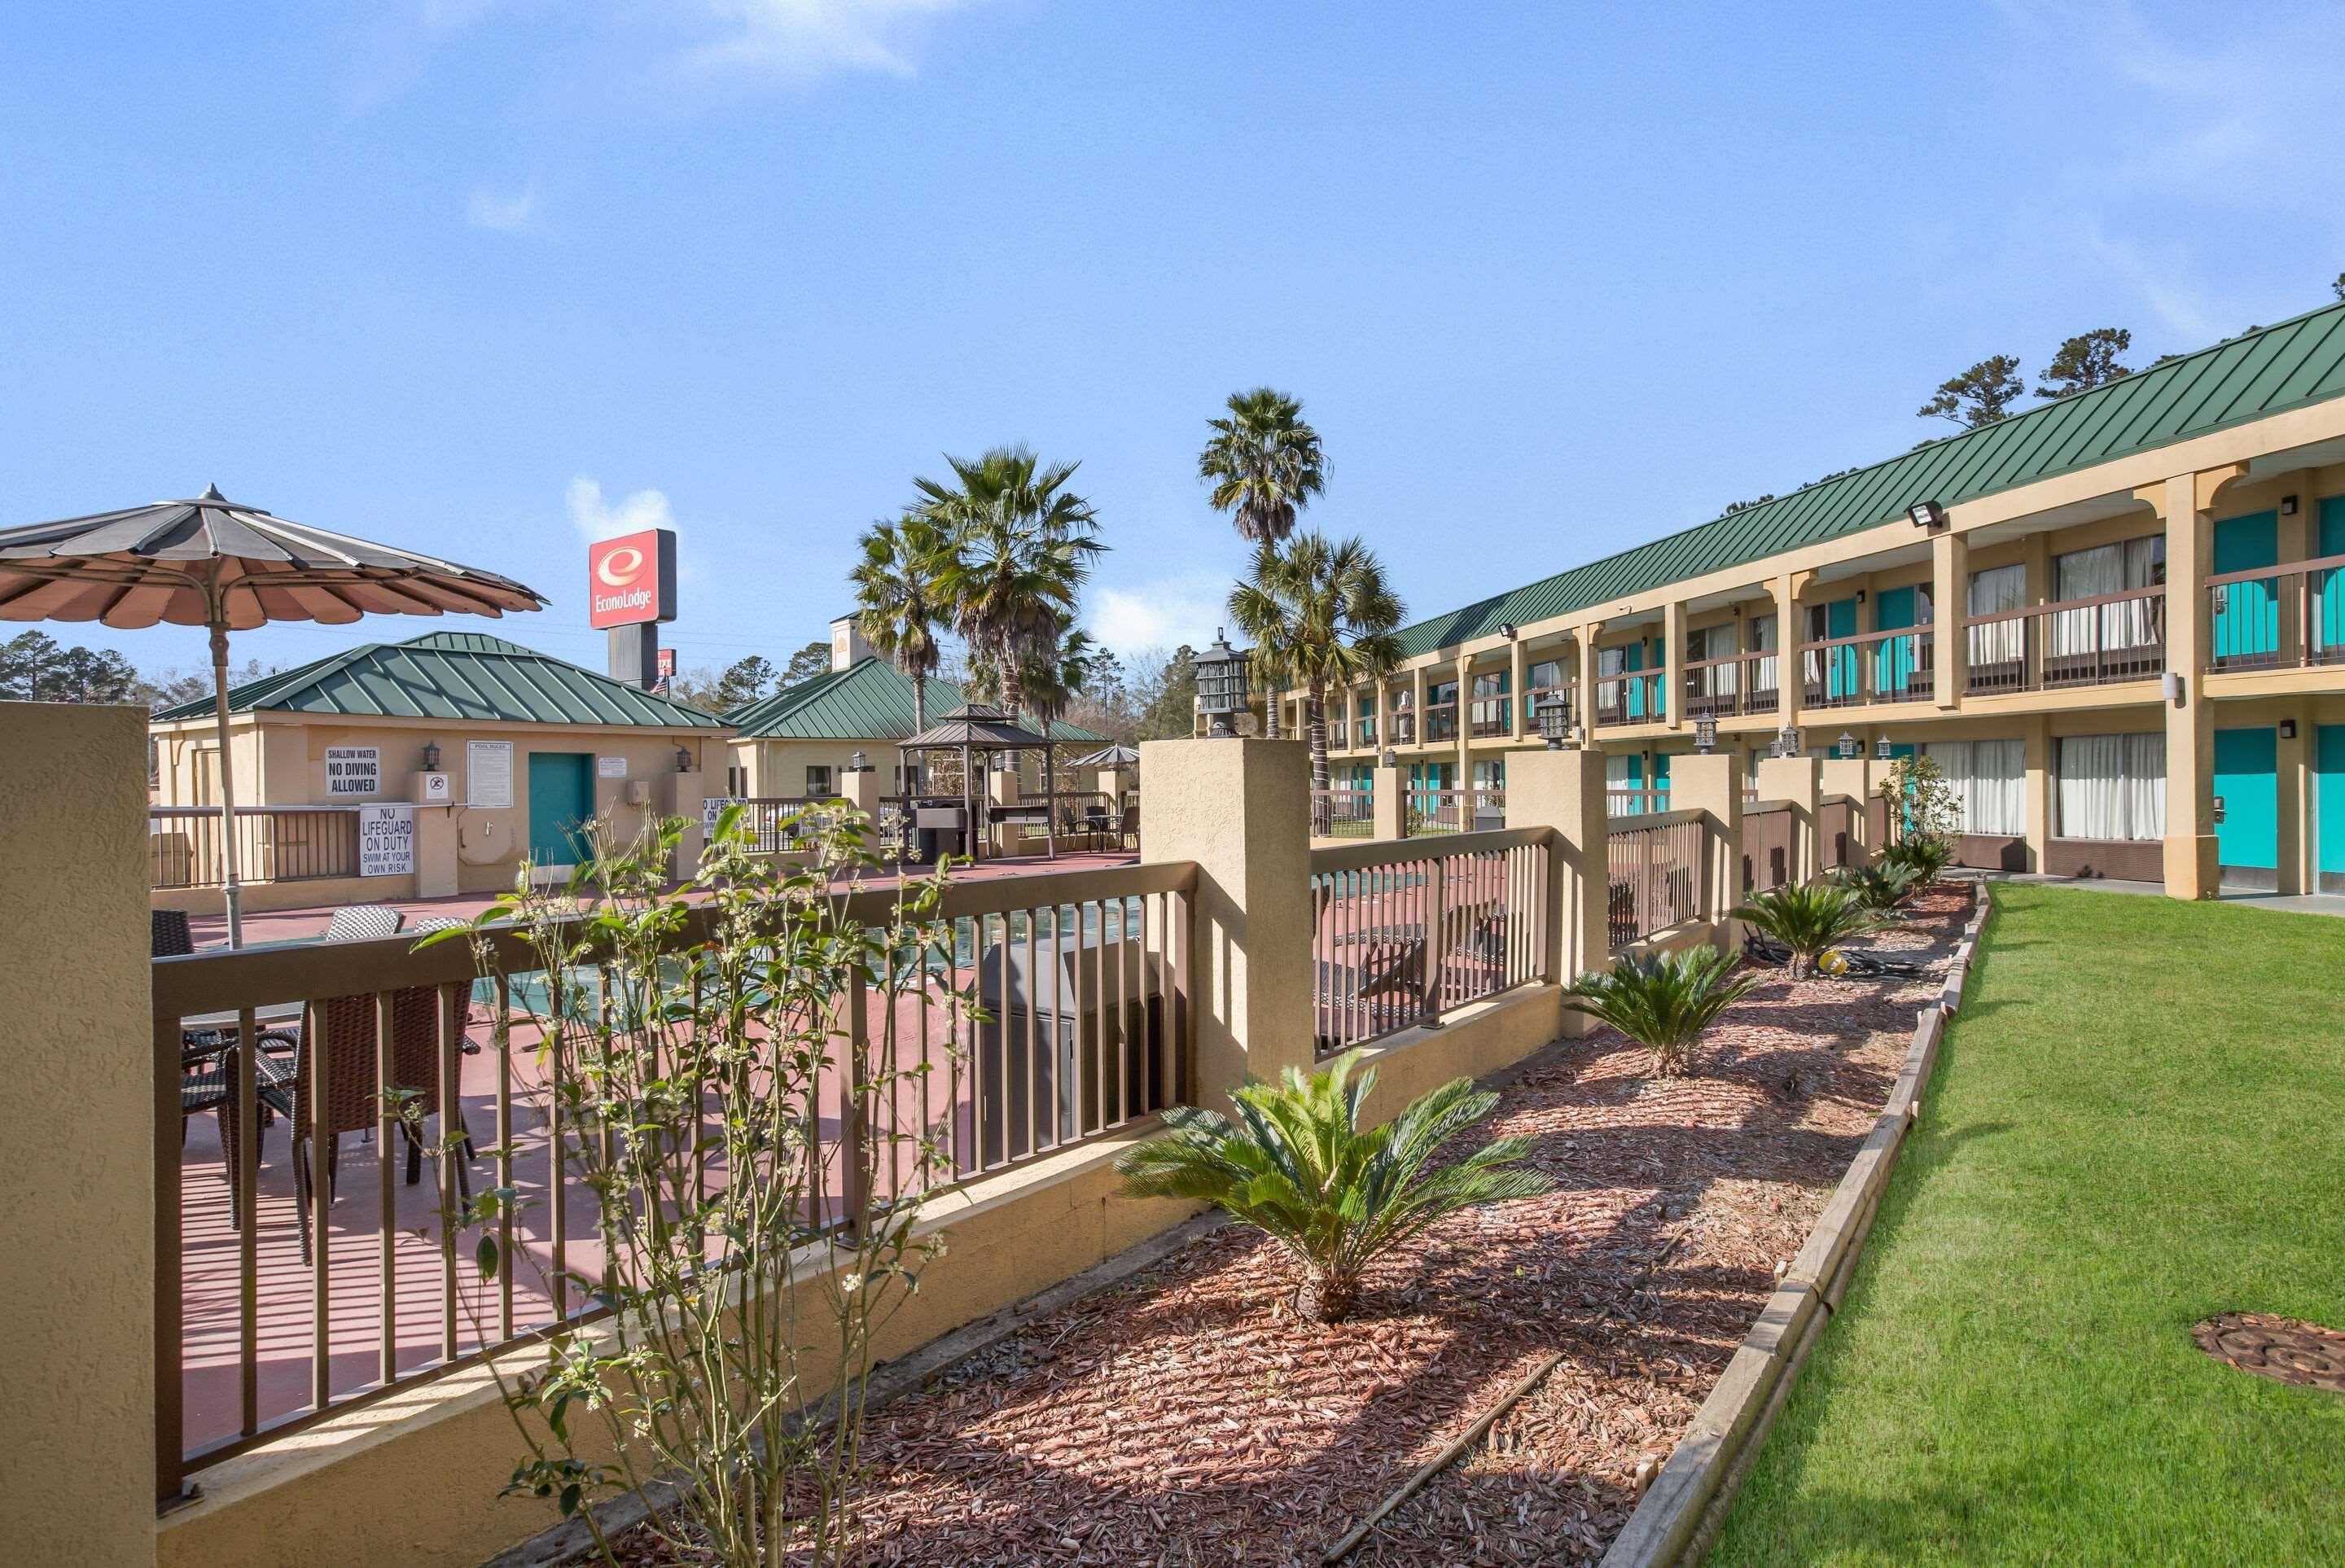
[[1440, 723], [1082, 977], [1404, 727], [1896, 666], [2279, 617], [1402, 933], [2095, 641], [1631, 699], [1728, 687], [1658, 875], [1635, 801], [1343, 813], [1432, 811], [274, 844]]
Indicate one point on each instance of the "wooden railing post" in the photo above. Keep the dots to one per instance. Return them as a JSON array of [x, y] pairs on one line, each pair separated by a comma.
[[1437, 942]]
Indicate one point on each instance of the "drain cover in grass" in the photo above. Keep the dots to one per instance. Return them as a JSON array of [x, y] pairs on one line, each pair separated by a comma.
[[2285, 1350]]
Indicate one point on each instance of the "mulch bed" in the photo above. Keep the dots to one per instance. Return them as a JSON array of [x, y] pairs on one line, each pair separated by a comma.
[[1187, 1416]]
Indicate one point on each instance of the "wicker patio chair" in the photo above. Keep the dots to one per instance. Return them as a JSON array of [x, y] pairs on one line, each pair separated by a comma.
[[172, 936], [360, 922], [349, 1026]]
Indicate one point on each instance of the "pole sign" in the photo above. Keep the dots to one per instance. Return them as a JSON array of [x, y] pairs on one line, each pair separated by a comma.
[[631, 580]]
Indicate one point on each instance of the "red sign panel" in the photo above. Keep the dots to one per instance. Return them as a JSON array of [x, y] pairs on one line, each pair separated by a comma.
[[666, 663], [631, 580]]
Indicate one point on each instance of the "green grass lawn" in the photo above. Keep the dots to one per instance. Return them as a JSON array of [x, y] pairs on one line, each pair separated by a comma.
[[2139, 1121]]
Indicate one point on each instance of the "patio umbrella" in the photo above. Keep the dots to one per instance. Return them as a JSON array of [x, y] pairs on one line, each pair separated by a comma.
[[212, 562], [1111, 756]]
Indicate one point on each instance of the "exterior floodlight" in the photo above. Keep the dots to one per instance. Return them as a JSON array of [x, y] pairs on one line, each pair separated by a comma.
[[1507, 630], [1881, 749], [1705, 734], [1221, 684], [432, 756], [1847, 746], [1927, 514], [1554, 717]]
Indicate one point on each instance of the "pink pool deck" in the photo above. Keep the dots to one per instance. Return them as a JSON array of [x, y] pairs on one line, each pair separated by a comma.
[[211, 927]]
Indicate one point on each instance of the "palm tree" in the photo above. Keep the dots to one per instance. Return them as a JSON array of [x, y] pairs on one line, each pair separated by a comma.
[[1264, 464], [1296, 1165], [1321, 614], [1021, 548], [1054, 680], [899, 606]]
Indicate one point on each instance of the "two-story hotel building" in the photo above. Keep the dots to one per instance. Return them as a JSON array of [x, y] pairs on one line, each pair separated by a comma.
[[2124, 643]]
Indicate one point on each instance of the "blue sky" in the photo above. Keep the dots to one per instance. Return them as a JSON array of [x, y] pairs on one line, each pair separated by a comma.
[[481, 277]]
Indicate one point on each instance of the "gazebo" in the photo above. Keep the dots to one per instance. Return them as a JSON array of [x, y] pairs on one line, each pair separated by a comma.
[[977, 733]]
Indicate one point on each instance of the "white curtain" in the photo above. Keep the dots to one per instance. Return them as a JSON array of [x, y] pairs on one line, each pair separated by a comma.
[[1992, 592], [1990, 779], [2112, 786], [1763, 640], [2084, 574], [1718, 642]]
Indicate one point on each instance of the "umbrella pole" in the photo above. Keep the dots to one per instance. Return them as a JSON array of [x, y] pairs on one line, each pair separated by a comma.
[[232, 890]]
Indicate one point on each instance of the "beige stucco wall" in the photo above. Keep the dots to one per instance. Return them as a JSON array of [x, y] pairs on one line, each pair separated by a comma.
[[281, 760], [76, 1151]]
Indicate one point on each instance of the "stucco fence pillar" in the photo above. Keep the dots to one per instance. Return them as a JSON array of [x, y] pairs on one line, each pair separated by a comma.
[[1565, 791], [77, 1134], [1240, 809], [1713, 785]]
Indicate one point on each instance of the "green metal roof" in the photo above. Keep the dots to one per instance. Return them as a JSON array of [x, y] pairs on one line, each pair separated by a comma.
[[453, 676], [869, 700], [2266, 372]]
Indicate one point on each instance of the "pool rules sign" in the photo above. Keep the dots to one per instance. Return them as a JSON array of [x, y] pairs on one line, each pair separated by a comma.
[[386, 840]]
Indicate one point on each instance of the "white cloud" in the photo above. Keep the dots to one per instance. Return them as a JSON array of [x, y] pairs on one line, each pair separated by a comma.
[[1165, 613], [506, 214], [596, 518], [800, 40]]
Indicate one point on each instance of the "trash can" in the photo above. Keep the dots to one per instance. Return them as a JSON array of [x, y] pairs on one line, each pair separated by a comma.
[[1077, 1038]]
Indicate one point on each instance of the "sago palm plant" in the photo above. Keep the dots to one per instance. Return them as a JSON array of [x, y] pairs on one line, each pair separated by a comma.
[[1664, 1001], [1296, 1165], [1810, 920], [1881, 888]]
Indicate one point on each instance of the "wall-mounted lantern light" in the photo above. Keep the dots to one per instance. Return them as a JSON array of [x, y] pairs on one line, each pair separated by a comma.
[[2288, 729], [2287, 506], [682, 758], [2170, 685], [1221, 686], [432, 756]]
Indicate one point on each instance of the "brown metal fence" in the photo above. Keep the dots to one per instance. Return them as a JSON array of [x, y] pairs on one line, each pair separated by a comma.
[[1343, 813], [1769, 849], [1432, 811], [1083, 978], [1656, 878], [1401, 934], [274, 844], [1836, 827]]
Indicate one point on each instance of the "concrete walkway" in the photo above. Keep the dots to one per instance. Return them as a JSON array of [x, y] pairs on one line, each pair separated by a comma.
[[2329, 904]]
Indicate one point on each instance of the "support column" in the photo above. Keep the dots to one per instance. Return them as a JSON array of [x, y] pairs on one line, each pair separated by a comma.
[[1232, 806], [1799, 781], [1671, 663], [1584, 701], [1713, 785], [1790, 666], [1565, 791], [79, 1130], [2038, 745], [1390, 802], [1516, 695], [2293, 783], [1465, 721], [2193, 862], [1950, 591], [1417, 703]]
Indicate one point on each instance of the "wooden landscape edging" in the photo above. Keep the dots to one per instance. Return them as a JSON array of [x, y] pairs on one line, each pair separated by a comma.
[[1680, 1515]]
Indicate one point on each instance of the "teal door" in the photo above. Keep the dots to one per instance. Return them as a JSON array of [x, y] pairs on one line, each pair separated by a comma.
[[561, 803], [2328, 586], [1632, 658], [2246, 614], [1661, 775], [2329, 801], [2247, 778], [1905, 749], [1893, 661], [1840, 663]]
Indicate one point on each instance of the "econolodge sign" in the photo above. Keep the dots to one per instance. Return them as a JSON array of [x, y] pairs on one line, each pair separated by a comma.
[[631, 579]]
